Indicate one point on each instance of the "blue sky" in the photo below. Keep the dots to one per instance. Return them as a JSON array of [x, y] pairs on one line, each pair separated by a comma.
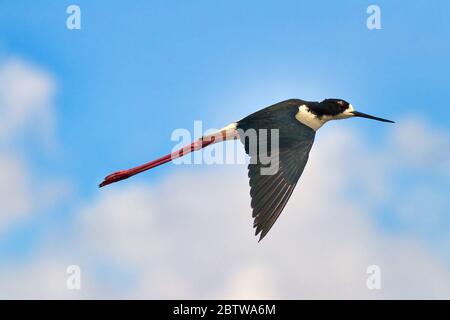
[[161, 65], [135, 72]]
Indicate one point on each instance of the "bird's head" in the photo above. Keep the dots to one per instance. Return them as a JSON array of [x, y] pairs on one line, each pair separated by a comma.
[[335, 109], [314, 115]]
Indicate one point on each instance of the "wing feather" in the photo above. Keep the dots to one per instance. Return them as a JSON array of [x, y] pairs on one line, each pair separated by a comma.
[[270, 193]]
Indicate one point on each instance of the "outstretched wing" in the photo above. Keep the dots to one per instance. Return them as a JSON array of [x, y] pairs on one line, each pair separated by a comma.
[[270, 189]]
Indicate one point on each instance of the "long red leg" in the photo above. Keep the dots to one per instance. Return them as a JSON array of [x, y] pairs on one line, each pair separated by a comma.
[[196, 145]]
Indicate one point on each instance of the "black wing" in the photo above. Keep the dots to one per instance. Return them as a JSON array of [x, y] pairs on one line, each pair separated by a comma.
[[270, 193]]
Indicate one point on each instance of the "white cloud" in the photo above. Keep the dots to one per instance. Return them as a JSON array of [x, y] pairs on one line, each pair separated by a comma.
[[190, 236], [15, 190], [251, 282], [193, 240], [26, 107], [423, 146], [20, 196], [120, 236], [44, 279], [26, 94]]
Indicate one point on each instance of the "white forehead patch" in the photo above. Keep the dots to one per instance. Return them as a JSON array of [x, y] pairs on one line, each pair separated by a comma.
[[310, 119]]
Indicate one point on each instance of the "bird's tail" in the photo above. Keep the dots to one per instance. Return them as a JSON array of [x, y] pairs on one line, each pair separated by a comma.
[[227, 133]]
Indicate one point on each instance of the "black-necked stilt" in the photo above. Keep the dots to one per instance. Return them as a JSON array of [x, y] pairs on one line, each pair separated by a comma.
[[296, 122]]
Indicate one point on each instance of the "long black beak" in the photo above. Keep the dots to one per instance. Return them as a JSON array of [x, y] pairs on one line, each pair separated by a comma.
[[368, 116]]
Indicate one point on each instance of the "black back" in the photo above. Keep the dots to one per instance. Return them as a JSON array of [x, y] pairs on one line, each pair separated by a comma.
[[270, 193]]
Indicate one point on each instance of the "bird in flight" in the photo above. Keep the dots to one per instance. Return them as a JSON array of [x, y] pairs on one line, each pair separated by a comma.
[[294, 122]]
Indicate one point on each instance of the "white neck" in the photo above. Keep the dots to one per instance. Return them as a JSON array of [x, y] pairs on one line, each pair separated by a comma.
[[310, 119]]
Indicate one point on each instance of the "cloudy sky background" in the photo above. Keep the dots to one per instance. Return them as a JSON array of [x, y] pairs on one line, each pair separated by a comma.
[[76, 105]]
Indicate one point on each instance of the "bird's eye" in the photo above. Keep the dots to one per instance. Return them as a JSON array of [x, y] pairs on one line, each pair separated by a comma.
[[343, 105]]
